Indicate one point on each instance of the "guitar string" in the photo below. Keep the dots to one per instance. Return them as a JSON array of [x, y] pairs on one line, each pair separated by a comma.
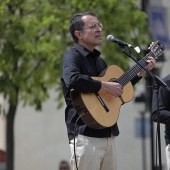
[[125, 78], [105, 96], [136, 69], [129, 75]]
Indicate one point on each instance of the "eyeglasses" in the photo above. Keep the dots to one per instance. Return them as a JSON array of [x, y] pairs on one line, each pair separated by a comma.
[[94, 26]]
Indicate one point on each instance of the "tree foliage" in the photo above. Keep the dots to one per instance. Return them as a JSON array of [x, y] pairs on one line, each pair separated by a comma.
[[34, 34]]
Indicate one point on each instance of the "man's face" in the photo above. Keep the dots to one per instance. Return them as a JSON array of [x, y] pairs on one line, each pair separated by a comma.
[[91, 35]]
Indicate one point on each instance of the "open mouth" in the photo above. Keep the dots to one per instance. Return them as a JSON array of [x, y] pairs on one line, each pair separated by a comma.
[[98, 36]]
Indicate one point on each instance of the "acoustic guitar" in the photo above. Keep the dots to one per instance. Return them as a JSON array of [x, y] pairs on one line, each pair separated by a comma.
[[101, 110]]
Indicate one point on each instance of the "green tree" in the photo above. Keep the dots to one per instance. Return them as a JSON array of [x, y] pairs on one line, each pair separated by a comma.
[[33, 37]]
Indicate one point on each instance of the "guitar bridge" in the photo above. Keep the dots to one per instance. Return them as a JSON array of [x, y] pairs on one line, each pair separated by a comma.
[[102, 102]]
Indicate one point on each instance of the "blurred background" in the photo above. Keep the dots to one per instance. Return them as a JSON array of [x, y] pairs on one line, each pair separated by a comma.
[[34, 35]]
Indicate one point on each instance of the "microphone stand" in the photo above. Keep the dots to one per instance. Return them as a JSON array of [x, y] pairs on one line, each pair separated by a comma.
[[156, 81]]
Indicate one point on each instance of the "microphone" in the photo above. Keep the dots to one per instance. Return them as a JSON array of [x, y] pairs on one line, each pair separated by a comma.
[[120, 42]]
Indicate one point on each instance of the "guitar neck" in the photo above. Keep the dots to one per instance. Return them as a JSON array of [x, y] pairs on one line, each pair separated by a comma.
[[129, 75]]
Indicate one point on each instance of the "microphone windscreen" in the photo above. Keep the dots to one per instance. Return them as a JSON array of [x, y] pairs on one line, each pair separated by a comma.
[[110, 38]]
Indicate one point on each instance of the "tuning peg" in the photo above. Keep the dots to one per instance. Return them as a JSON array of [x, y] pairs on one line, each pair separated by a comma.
[[152, 45]]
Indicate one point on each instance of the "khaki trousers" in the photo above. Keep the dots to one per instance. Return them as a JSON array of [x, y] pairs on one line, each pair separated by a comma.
[[94, 153], [168, 156]]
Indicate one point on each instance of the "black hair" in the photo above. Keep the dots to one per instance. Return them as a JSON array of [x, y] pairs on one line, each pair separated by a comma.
[[77, 23]]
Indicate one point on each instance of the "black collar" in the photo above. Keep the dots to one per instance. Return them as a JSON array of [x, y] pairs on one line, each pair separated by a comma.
[[85, 52]]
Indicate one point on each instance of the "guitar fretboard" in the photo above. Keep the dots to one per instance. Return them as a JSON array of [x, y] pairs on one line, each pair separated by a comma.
[[129, 75]]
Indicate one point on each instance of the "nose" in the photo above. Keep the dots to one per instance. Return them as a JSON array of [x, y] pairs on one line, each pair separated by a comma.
[[98, 29]]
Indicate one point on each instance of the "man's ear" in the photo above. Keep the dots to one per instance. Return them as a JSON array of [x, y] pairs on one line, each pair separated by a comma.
[[78, 34]]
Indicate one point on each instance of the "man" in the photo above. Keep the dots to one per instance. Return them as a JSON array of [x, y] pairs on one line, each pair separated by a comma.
[[164, 113], [95, 148]]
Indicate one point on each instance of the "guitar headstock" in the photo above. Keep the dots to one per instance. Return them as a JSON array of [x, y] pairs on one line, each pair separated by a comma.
[[157, 48]]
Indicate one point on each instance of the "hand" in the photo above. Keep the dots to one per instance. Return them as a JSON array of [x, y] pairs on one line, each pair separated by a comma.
[[112, 87], [151, 63]]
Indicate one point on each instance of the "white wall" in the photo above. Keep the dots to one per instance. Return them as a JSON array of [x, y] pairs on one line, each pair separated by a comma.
[[2, 132], [40, 138]]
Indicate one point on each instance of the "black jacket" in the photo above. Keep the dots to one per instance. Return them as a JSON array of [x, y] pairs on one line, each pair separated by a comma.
[[164, 107]]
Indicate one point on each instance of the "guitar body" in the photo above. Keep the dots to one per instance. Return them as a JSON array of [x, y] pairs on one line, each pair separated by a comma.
[[94, 114]]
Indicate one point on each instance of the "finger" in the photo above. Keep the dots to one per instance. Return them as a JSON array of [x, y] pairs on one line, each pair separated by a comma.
[[119, 93]]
